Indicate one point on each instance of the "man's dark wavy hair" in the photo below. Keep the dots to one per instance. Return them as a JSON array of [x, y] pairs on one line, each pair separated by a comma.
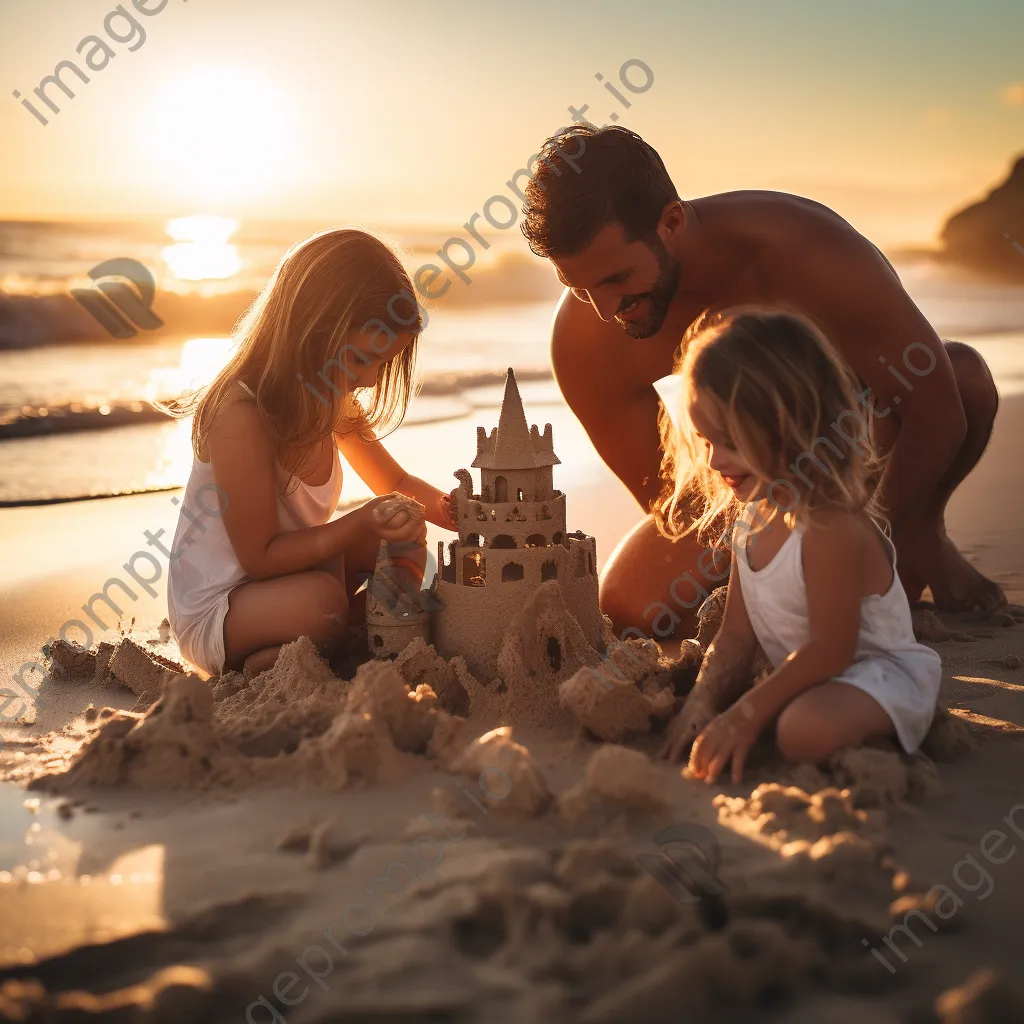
[[589, 177]]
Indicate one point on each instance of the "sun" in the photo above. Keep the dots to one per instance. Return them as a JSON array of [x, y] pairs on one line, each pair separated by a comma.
[[221, 134]]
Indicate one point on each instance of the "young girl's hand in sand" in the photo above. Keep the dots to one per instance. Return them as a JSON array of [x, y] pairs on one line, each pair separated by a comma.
[[697, 714], [729, 737]]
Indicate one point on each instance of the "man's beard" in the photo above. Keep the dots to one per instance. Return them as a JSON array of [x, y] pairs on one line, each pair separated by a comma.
[[660, 296]]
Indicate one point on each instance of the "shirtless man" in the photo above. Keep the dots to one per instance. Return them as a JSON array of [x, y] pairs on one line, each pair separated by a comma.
[[640, 265]]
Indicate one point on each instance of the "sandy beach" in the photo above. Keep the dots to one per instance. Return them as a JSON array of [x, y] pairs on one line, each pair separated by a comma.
[[193, 903]]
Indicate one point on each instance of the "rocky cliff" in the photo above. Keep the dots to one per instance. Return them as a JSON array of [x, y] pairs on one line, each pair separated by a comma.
[[982, 236]]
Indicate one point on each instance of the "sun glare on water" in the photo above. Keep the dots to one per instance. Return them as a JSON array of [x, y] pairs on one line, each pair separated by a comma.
[[202, 251]]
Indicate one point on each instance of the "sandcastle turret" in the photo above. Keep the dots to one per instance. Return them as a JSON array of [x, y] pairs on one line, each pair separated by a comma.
[[512, 539], [394, 617]]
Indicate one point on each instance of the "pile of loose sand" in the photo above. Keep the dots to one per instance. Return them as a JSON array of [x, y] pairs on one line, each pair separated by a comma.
[[296, 723]]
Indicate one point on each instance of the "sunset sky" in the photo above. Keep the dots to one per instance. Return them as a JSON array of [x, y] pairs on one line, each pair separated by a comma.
[[321, 110]]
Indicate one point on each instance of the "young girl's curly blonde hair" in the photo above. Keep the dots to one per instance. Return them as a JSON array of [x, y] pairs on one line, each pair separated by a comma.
[[787, 401]]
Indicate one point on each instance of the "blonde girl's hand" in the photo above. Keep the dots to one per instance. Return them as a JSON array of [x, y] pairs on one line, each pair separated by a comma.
[[397, 519], [692, 720], [449, 509], [729, 737]]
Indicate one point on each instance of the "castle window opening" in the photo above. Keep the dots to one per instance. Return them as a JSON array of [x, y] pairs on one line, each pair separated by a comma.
[[500, 489], [557, 538], [590, 563], [378, 641], [448, 569], [549, 571], [519, 494], [503, 540], [535, 540], [474, 539], [474, 569], [554, 654], [511, 572]]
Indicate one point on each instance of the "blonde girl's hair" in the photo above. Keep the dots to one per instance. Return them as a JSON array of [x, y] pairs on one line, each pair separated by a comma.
[[787, 401], [292, 345]]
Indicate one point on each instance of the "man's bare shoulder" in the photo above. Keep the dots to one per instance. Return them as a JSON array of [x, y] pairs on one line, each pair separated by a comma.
[[790, 233], [586, 350]]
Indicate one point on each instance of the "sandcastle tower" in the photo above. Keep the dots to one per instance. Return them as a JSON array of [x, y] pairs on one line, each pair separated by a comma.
[[393, 618], [512, 539]]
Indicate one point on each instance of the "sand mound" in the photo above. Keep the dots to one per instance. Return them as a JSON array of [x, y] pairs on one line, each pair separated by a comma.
[[986, 997], [949, 738], [420, 663], [379, 692], [799, 823], [506, 773], [296, 723], [544, 645], [884, 778], [605, 706], [632, 685], [616, 780], [127, 662]]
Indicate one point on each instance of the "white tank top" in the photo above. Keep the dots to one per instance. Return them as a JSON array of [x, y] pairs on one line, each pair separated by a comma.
[[902, 675], [205, 566], [776, 602]]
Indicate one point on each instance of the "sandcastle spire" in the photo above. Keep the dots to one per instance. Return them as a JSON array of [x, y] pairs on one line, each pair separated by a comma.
[[513, 445]]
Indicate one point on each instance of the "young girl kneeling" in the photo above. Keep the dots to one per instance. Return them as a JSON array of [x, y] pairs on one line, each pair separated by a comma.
[[769, 427], [324, 358]]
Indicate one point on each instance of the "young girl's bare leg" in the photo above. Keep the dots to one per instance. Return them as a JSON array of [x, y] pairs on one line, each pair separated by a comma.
[[827, 718], [264, 614]]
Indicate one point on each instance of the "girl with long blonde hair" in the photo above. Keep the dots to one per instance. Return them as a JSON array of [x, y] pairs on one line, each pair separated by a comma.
[[323, 361], [771, 435]]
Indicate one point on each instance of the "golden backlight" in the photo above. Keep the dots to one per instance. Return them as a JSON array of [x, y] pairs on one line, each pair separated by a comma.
[[201, 250], [221, 134]]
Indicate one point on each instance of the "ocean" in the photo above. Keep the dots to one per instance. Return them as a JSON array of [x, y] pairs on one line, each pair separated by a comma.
[[75, 413]]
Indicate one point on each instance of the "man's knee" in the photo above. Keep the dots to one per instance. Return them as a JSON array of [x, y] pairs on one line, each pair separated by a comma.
[[656, 585], [974, 381]]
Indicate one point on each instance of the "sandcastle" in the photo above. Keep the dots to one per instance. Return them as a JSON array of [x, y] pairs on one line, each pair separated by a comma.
[[512, 542]]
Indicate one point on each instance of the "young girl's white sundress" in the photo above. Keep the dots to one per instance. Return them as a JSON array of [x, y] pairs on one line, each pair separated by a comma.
[[204, 568], [902, 675]]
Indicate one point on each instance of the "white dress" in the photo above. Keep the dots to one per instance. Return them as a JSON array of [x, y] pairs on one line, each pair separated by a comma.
[[203, 566], [902, 675]]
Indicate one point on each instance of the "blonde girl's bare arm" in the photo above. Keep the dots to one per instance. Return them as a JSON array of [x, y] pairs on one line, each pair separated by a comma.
[[242, 456], [379, 470], [724, 674]]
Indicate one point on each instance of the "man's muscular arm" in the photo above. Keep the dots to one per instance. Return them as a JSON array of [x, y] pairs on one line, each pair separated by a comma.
[[866, 313], [618, 413]]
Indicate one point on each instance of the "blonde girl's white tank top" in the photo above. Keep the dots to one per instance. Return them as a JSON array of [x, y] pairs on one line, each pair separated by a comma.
[[889, 664], [203, 564]]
